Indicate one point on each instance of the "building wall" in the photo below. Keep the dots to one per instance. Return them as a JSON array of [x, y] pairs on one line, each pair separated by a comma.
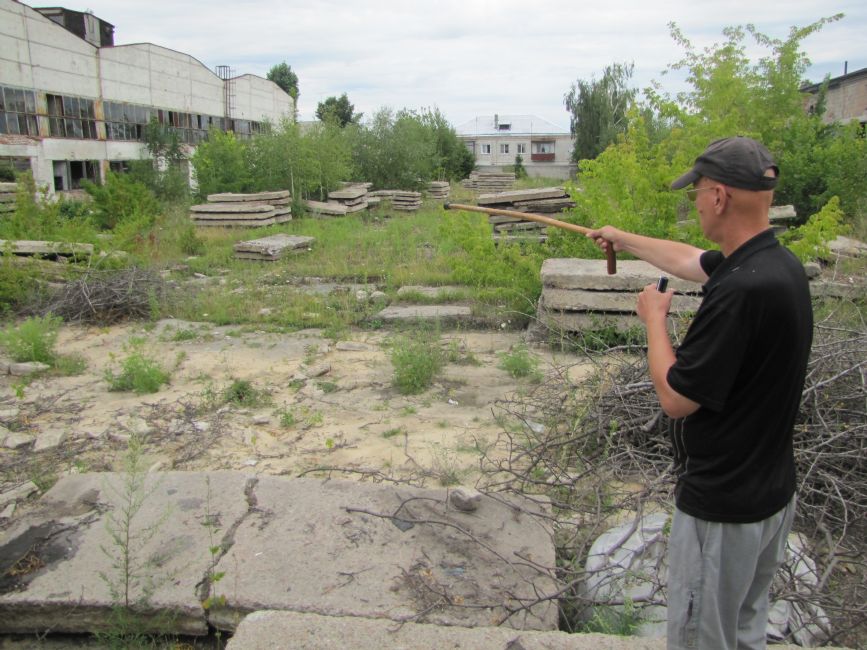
[[39, 55], [560, 167], [846, 99]]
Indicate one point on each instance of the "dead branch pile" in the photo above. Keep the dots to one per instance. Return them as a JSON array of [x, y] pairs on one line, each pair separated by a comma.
[[600, 451], [104, 297]]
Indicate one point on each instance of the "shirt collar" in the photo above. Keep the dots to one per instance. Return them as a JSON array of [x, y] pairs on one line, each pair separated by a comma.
[[765, 239]]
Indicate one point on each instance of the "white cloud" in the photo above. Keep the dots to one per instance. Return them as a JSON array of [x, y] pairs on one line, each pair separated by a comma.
[[468, 57]]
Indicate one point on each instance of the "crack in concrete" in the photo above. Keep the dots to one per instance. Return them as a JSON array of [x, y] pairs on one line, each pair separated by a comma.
[[226, 543]]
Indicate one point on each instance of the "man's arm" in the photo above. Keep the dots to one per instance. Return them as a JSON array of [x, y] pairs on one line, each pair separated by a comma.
[[653, 309], [676, 258]]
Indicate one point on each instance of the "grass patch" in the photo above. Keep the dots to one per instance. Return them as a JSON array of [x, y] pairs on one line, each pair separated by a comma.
[[32, 340], [519, 363], [242, 392]]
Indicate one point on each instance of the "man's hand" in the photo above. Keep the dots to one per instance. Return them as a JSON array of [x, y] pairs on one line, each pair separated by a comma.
[[653, 304], [606, 236]]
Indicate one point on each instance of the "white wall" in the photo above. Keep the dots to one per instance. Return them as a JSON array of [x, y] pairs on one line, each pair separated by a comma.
[[257, 99]]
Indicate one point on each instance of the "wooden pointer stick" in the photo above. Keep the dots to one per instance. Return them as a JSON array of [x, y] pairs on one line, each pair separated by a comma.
[[528, 216]]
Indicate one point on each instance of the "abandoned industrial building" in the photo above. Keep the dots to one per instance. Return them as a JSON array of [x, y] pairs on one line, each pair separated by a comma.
[[73, 105]]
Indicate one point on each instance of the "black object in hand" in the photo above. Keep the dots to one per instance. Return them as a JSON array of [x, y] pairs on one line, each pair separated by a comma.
[[662, 285]]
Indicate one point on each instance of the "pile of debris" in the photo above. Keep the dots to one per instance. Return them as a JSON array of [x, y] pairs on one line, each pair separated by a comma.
[[406, 201], [489, 181], [352, 196], [438, 190], [7, 197], [250, 210], [539, 200]]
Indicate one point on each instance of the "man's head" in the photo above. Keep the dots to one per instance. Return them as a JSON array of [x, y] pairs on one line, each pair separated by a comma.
[[737, 162]]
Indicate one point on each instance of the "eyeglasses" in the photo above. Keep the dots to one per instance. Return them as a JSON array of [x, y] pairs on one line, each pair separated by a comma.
[[693, 193]]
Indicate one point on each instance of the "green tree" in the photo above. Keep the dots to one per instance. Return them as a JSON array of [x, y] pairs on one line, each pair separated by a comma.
[[453, 160], [220, 164], [339, 109], [598, 110], [282, 75]]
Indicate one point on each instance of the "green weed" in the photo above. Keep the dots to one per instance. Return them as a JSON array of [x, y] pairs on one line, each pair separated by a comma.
[[416, 361], [138, 373], [32, 340], [242, 392], [519, 363]]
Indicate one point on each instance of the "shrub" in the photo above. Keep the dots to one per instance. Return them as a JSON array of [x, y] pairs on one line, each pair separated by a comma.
[[518, 362], [242, 392], [32, 340], [138, 373], [416, 361], [121, 198], [810, 240]]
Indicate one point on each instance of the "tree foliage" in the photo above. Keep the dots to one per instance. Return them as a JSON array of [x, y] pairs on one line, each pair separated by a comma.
[[337, 109], [599, 110], [282, 75], [627, 185]]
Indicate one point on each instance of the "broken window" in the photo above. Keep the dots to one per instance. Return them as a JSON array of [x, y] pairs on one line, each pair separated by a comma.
[[18, 111]]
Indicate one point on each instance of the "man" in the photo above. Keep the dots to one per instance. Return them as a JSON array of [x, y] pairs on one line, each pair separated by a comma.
[[733, 390]]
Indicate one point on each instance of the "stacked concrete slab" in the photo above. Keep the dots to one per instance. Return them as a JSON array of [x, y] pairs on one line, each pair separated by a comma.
[[7, 197], [579, 295], [273, 248], [325, 209], [352, 197], [250, 210], [406, 201], [489, 181], [538, 200], [438, 190]]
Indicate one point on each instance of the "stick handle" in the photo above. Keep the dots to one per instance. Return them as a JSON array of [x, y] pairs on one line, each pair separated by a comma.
[[529, 216]]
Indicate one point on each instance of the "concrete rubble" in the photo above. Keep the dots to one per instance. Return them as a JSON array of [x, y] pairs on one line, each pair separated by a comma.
[[579, 295], [273, 247], [243, 543], [250, 210], [425, 313]]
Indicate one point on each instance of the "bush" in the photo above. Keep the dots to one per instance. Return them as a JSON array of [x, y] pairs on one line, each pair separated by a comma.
[[138, 373], [121, 199], [810, 241], [416, 361], [17, 286], [32, 340], [518, 362]]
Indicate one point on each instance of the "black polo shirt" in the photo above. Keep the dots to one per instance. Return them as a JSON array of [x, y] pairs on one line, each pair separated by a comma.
[[744, 360]]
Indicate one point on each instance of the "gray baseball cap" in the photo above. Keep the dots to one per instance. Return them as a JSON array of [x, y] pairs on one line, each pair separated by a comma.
[[738, 162]]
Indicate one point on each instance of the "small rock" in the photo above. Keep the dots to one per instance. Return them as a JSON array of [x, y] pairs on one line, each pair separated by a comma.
[[251, 462], [27, 368], [8, 512], [261, 418], [465, 499], [119, 436], [15, 494], [135, 424], [201, 426], [378, 296], [49, 439], [349, 346], [317, 370], [361, 295], [453, 402], [265, 311], [813, 270], [14, 440], [8, 415]]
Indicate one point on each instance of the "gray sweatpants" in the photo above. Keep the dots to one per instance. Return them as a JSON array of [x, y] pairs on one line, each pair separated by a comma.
[[719, 576]]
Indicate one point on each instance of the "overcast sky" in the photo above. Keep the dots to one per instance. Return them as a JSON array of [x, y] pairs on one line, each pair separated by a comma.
[[467, 57]]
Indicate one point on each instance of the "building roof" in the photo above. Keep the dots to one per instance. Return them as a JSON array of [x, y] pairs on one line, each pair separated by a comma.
[[835, 81], [517, 125]]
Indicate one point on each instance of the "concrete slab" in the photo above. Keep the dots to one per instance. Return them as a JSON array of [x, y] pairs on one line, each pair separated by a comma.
[[443, 292], [272, 247], [265, 630], [632, 275], [521, 195], [608, 301], [52, 561], [348, 193], [331, 209], [331, 547], [230, 197], [233, 208], [409, 313]]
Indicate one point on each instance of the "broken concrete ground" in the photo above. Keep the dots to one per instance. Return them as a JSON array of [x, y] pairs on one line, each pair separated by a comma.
[[250, 543]]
